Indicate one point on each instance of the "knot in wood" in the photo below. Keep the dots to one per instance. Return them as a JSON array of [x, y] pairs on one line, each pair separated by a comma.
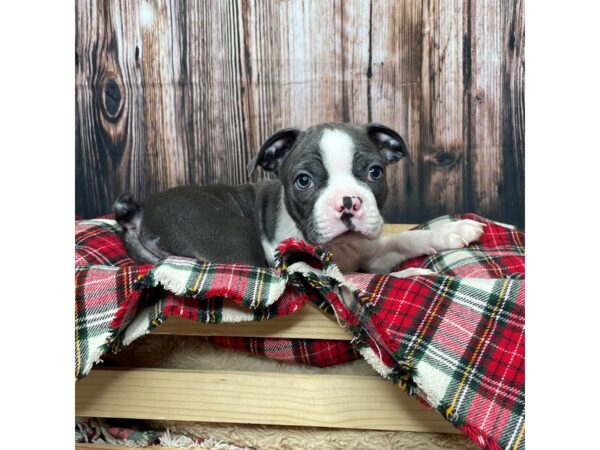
[[443, 158], [112, 98]]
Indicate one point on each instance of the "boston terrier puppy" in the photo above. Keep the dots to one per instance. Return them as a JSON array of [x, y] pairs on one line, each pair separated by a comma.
[[330, 191]]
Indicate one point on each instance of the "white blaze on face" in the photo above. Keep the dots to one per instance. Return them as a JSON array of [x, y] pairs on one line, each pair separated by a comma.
[[337, 153]]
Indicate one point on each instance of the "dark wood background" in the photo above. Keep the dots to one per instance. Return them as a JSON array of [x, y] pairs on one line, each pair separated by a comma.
[[170, 92]]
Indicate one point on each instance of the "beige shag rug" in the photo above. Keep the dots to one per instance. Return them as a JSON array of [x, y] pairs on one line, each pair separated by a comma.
[[187, 352]]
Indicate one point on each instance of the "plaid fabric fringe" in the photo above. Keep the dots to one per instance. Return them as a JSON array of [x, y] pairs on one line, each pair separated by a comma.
[[454, 340]]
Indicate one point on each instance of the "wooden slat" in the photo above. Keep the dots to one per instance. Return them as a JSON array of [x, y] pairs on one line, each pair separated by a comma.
[[484, 91], [395, 98], [442, 97], [392, 228], [340, 401], [309, 322], [513, 113]]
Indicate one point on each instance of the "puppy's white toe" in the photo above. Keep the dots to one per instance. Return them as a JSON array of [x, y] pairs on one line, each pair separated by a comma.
[[412, 272], [457, 234]]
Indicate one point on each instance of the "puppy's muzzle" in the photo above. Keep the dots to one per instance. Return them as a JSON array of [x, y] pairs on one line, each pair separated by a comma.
[[347, 208]]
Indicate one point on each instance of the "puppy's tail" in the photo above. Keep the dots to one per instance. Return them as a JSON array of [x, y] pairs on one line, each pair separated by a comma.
[[127, 211]]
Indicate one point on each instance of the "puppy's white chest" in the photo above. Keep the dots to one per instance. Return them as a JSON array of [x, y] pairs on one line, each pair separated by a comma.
[[285, 228]]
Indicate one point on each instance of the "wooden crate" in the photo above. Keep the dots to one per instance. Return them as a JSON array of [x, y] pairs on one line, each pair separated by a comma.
[[245, 397]]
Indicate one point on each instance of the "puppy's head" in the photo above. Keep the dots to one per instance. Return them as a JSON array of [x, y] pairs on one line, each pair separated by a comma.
[[333, 177]]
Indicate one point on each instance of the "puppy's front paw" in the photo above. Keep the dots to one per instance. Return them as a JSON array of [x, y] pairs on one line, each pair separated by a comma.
[[412, 272], [455, 235]]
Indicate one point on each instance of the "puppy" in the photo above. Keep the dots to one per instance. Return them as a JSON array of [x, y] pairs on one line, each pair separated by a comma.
[[330, 191]]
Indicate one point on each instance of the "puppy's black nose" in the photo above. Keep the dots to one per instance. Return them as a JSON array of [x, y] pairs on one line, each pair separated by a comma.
[[347, 202]]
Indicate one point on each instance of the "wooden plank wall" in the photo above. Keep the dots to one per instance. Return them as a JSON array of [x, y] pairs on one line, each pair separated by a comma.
[[171, 92]]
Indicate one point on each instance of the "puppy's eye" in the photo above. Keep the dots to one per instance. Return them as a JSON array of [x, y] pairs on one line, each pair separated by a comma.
[[375, 173], [303, 181]]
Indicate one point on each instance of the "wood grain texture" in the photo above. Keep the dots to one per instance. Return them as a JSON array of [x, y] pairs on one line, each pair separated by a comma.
[[170, 92], [308, 323], [340, 401]]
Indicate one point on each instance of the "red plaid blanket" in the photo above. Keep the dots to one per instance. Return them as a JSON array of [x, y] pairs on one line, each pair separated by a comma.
[[454, 340]]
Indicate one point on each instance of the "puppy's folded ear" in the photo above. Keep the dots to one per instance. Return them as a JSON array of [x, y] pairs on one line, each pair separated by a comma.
[[391, 144], [274, 151]]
